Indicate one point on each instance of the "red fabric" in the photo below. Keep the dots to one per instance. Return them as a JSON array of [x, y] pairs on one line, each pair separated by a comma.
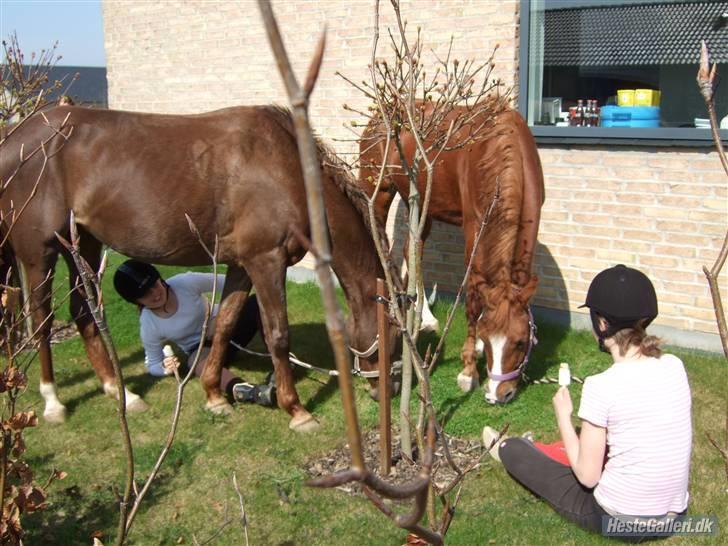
[[556, 451]]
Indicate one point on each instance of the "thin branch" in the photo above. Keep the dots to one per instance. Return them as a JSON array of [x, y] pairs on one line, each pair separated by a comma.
[[181, 382], [471, 261], [314, 199], [706, 81], [243, 513], [93, 288]]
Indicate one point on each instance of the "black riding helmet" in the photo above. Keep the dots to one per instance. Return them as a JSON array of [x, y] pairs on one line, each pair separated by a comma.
[[134, 278], [623, 296]]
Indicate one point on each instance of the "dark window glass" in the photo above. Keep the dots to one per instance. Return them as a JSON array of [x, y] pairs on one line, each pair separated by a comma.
[[635, 60]]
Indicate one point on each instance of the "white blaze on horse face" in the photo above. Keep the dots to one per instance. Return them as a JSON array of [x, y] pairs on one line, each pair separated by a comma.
[[54, 412], [497, 344]]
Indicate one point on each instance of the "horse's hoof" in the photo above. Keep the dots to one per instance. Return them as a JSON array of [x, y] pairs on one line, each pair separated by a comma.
[[220, 407], [430, 326], [467, 383], [304, 423], [136, 406], [55, 415], [374, 393]]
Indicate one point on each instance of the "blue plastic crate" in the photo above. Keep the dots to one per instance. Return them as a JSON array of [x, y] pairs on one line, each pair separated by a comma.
[[630, 116]]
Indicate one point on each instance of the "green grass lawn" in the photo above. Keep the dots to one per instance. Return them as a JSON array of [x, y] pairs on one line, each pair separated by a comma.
[[194, 494]]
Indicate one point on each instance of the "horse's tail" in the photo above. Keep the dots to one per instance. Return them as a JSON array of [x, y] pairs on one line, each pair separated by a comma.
[[333, 167]]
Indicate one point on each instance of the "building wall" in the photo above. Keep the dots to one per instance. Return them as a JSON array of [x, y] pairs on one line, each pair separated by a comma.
[[661, 210]]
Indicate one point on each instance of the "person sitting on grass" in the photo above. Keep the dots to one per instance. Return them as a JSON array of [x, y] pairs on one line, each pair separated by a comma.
[[635, 415], [174, 311]]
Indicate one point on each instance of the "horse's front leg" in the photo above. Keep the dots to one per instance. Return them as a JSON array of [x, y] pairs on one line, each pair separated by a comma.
[[469, 379], [96, 352], [237, 288], [268, 273]]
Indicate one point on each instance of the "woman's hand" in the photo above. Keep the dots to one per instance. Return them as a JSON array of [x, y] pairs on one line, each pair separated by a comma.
[[562, 404], [170, 364]]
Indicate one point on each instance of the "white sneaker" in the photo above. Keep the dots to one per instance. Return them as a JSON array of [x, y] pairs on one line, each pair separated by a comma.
[[491, 439]]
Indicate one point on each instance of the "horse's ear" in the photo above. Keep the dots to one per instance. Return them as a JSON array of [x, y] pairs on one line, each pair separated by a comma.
[[525, 293]]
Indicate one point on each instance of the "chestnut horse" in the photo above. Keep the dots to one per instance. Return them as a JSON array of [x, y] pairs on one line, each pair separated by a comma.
[[130, 179], [464, 184]]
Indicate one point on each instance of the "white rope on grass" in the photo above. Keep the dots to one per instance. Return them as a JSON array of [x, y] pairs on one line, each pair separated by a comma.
[[549, 380], [332, 373]]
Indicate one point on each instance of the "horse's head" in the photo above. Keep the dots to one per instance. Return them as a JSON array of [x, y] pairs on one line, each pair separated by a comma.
[[507, 333]]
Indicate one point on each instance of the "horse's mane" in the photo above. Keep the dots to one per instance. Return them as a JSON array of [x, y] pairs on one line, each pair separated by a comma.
[[339, 172], [502, 164]]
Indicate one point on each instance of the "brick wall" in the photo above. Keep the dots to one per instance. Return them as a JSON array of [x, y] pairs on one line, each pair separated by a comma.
[[661, 210]]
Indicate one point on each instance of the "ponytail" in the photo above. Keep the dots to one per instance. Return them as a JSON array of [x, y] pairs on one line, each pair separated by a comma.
[[637, 336]]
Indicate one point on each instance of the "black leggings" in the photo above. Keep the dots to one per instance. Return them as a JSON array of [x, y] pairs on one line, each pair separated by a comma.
[[247, 326], [552, 481], [556, 484]]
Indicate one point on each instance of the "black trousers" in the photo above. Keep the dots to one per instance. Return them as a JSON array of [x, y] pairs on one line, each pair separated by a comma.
[[556, 484], [552, 481], [245, 329]]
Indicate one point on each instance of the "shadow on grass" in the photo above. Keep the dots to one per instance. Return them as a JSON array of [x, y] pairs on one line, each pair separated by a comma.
[[449, 406], [546, 353], [79, 512], [88, 372], [75, 514], [309, 342]]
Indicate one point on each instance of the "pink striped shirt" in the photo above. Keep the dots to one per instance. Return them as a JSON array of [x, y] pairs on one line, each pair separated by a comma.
[[645, 406]]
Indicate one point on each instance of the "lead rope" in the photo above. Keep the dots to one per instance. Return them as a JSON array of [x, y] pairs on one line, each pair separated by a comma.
[[332, 373], [548, 380]]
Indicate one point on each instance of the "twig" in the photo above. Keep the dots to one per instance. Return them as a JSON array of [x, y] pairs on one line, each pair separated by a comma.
[[466, 276], [706, 80], [243, 513], [92, 287], [181, 382], [314, 198]]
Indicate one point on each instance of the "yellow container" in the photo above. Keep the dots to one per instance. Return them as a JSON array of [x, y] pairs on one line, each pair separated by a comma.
[[646, 97], [625, 97]]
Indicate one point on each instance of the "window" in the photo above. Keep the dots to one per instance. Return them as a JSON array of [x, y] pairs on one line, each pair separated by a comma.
[[636, 60]]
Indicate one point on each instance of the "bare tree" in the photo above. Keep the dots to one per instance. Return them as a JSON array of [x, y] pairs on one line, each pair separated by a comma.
[[20, 96], [706, 83], [457, 98], [398, 110], [132, 497]]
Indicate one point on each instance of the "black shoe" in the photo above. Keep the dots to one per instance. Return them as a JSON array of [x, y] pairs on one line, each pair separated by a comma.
[[264, 395]]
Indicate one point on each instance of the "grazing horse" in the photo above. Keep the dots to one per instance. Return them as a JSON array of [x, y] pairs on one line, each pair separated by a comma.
[[130, 179], [463, 186]]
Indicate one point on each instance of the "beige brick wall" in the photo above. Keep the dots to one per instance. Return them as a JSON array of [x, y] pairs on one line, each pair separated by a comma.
[[661, 210]]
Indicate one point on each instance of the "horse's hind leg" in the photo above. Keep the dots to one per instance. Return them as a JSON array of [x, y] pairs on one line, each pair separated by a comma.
[[90, 249], [235, 293], [40, 283], [268, 273], [429, 321]]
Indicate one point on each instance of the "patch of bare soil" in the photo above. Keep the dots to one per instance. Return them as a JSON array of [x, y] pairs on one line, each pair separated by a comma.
[[464, 453]]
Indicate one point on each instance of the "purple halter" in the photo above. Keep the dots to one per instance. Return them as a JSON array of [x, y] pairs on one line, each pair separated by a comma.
[[532, 341]]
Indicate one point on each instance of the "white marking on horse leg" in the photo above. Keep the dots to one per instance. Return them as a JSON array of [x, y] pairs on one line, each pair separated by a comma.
[[134, 403], [429, 322], [467, 383], [497, 344], [479, 347], [54, 412]]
